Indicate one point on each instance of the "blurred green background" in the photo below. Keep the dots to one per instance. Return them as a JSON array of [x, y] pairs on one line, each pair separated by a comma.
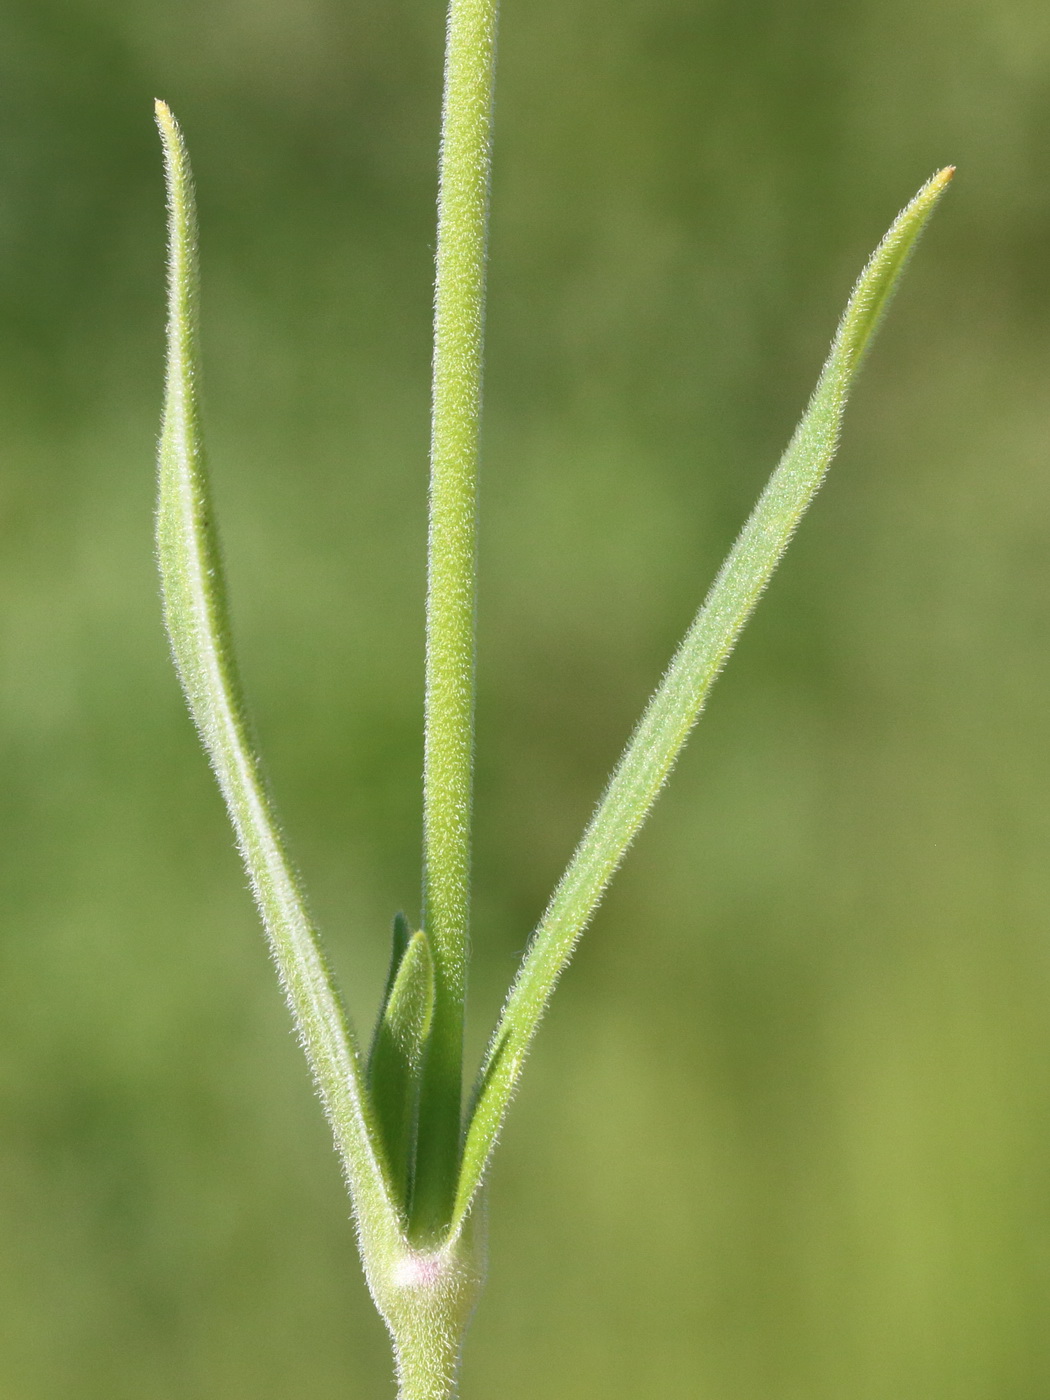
[[786, 1133]]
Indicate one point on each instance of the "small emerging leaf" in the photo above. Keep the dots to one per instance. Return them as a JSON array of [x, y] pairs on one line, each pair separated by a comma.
[[679, 699], [399, 936], [395, 1069]]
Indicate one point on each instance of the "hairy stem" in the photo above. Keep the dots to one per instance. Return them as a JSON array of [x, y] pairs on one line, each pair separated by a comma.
[[427, 1298], [449, 740]]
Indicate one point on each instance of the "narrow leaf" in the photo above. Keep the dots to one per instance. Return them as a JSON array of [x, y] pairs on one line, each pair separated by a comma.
[[678, 701], [395, 1068], [196, 617]]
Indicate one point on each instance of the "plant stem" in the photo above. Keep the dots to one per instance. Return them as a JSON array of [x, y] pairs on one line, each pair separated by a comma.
[[449, 740], [428, 1322]]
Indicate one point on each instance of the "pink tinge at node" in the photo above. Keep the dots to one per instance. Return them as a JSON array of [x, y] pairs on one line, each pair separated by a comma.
[[420, 1270]]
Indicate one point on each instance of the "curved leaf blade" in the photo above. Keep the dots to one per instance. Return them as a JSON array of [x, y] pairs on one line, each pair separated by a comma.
[[196, 618], [678, 701]]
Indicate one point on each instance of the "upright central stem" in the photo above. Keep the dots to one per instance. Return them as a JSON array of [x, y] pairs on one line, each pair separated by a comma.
[[448, 763]]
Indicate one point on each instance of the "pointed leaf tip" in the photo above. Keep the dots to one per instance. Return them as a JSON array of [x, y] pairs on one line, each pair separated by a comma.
[[399, 940], [164, 116]]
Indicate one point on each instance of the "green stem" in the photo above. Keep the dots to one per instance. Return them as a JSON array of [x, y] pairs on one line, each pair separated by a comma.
[[448, 761], [427, 1358]]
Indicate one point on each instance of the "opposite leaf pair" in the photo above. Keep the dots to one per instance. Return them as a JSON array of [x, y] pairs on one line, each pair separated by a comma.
[[415, 1168]]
